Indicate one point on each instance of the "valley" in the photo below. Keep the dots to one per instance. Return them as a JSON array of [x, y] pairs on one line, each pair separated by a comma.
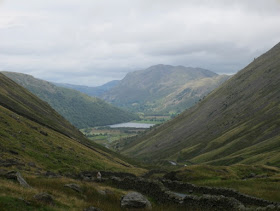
[[191, 161], [133, 133]]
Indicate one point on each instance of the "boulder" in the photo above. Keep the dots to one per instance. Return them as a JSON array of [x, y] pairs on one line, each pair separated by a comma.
[[135, 200], [74, 187], [14, 175], [21, 181], [44, 198]]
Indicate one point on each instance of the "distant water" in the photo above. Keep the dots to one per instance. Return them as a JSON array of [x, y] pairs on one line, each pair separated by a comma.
[[132, 125]]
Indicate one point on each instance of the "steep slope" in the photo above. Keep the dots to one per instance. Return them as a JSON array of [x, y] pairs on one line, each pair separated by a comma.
[[79, 109], [21, 101], [91, 91], [33, 137], [237, 123], [163, 89]]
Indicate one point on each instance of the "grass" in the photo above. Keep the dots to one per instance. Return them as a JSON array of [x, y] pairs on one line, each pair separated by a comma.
[[110, 137], [265, 184], [79, 109], [54, 151], [65, 198], [236, 123]]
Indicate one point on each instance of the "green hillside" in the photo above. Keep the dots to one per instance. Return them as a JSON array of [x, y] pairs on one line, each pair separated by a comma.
[[163, 89], [79, 109], [237, 123], [31, 131]]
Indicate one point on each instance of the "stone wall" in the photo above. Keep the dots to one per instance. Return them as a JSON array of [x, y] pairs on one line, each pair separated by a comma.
[[161, 194], [91, 175], [190, 188]]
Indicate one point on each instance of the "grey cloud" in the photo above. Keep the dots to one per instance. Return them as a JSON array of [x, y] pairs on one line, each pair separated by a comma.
[[91, 42]]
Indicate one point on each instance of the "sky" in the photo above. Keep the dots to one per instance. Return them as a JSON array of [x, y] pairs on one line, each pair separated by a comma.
[[90, 42]]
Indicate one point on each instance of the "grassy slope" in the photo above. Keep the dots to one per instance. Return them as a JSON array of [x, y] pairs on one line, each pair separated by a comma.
[[22, 140], [21, 101], [237, 123], [163, 89], [24, 116], [263, 184], [81, 110]]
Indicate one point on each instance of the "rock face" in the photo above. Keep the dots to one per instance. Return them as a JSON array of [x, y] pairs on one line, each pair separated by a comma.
[[74, 187], [135, 200], [44, 198]]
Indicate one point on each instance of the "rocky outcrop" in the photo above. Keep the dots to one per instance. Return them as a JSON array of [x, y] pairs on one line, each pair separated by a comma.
[[134, 200], [44, 198], [10, 162], [74, 187], [14, 175]]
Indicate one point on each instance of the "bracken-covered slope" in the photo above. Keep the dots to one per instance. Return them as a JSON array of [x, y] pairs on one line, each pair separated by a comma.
[[237, 123], [34, 137], [163, 89], [81, 110]]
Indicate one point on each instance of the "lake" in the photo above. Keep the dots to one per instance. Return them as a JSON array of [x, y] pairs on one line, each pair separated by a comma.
[[131, 125]]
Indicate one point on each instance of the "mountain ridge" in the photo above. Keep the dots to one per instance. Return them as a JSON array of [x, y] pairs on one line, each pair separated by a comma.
[[145, 90]]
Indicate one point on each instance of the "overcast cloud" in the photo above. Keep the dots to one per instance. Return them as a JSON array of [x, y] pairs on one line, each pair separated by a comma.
[[91, 42]]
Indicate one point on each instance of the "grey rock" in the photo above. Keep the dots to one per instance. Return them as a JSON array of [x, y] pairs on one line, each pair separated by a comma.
[[14, 175], [21, 181], [102, 192], [135, 200], [92, 209], [271, 207], [109, 192], [31, 164], [74, 187], [44, 198]]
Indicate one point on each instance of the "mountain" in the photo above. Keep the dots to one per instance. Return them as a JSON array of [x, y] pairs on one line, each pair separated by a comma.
[[91, 91], [239, 122], [35, 138], [79, 109], [163, 89]]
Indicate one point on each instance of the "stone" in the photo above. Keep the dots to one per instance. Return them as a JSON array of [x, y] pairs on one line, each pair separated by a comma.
[[74, 187], [135, 200], [271, 207], [92, 209], [9, 163], [44, 133], [51, 174], [102, 192], [44, 198], [109, 192], [22, 181], [14, 175], [31, 164]]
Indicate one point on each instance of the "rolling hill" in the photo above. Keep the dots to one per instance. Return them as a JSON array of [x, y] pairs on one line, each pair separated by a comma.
[[239, 122], [163, 89], [79, 109]]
